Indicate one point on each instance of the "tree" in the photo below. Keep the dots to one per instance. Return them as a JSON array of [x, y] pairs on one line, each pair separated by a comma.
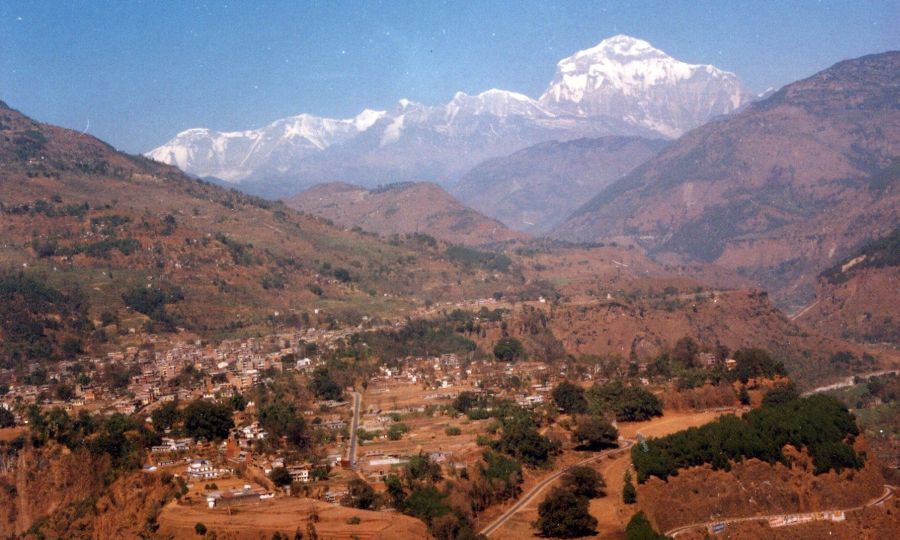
[[781, 394], [280, 476], [6, 418], [685, 351], [756, 363], [509, 349], [744, 395], [395, 491], [426, 503], [630, 403], [584, 481], [359, 495], [595, 433], [165, 416], [521, 440], [280, 419], [562, 514], [639, 528], [324, 387], [205, 420], [200, 529], [420, 467], [629, 493], [569, 398]]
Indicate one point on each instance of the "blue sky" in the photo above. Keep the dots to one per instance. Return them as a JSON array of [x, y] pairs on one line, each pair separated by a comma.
[[135, 73]]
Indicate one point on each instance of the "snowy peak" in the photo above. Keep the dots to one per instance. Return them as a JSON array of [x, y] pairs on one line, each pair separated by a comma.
[[628, 78], [620, 47], [495, 102], [621, 86]]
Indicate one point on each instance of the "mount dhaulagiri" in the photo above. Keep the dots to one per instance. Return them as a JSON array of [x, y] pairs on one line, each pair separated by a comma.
[[622, 86], [778, 192]]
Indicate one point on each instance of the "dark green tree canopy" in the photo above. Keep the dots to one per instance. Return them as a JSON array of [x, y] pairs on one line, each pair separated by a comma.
[[509, 349], [562, 514], [206, 420], [569, 398]]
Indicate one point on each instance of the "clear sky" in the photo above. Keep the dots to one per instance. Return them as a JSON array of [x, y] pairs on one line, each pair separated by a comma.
[[135, 73]]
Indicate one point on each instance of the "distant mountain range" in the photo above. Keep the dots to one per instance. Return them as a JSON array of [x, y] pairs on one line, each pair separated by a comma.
[[622, 86], [537, 187], [405, 208], [778, 192]]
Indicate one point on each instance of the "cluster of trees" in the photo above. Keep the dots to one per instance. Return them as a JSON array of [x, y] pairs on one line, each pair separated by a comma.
[[682, 362], [509, 349], [241, 254], [820, 424], [324, 386], [99, 249], [417, 493], [38, 320], [564, 511], [469, 257], [418, 338], [628, 403], [152, 303], [120, 437]]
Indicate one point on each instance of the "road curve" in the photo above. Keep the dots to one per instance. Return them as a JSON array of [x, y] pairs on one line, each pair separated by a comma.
[[536, 490], [354, 427], [887, 495]]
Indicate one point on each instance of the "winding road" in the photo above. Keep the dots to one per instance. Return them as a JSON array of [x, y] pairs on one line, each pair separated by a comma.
[[536, 490], [789, 518]]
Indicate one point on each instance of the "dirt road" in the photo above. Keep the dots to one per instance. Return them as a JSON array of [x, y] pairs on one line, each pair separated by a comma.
[[786, 519], [536, 490]]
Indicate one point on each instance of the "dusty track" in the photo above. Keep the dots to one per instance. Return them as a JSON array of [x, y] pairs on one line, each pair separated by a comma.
[[887, 495]]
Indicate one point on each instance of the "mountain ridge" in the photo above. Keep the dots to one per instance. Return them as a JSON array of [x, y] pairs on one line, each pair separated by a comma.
[[440, 143], [778, 190]]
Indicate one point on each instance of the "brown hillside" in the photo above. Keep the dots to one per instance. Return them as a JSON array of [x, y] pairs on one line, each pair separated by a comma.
[[778, 192], [859, 298], [65, 493], [755, 488], [403, 208], [84, 216]]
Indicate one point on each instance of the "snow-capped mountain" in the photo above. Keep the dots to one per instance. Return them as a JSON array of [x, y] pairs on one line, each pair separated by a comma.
[[235, 155], [629, 79], [623, 86]]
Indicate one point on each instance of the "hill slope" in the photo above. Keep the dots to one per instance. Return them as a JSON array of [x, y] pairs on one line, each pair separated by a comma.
[[404, 208], [859, 298], [536, 188], [780, 191], [109, 232]]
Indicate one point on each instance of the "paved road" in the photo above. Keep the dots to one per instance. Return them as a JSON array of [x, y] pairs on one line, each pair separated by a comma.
[[354, 426], [888, 494], [536, 490]]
